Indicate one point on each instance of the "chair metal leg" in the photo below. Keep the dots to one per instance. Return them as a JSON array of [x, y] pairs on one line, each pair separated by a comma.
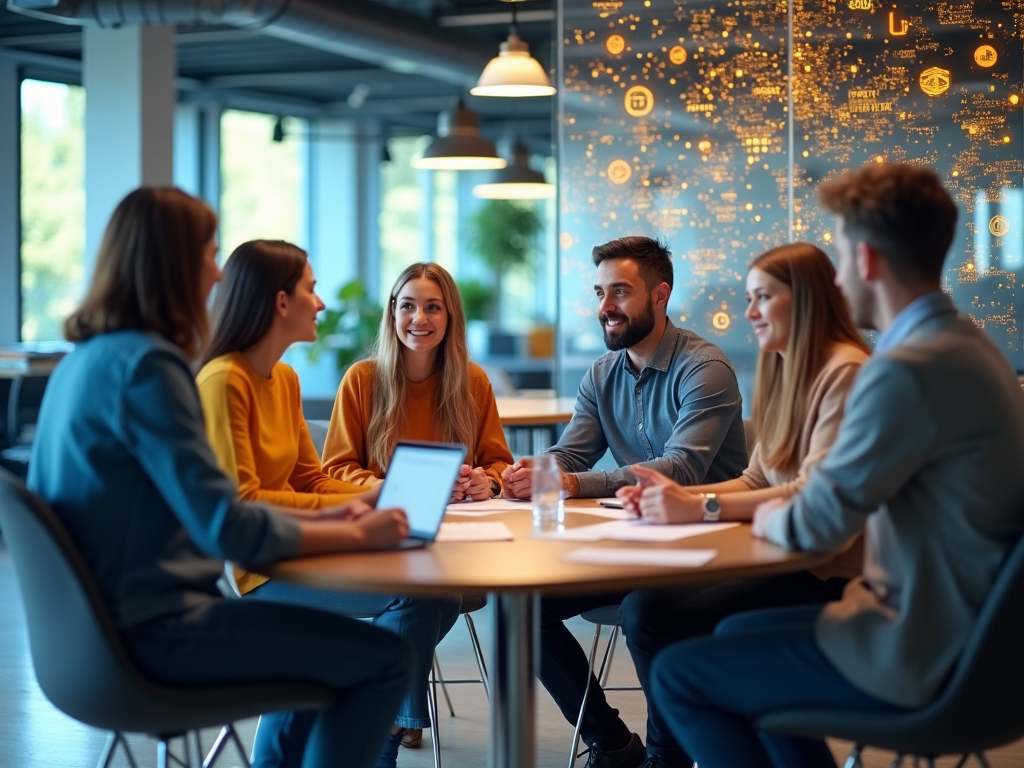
[[479, 653], [439, 679], [252, 752], [606, 660], [435, 740], [982, 760], [586, 692], [161, 754], [853, 761], [110, 749]]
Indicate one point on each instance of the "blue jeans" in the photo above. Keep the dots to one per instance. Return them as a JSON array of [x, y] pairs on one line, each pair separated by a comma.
[[231, 641], [653, 619], [423, 622], [711, 689]]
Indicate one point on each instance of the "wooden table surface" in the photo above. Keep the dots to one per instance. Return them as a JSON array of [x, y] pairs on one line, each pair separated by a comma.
[[534, 565], [535, 411]]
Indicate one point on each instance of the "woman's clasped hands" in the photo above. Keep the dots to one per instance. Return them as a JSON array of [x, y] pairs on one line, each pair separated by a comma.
[[660, 500], [473, 484]]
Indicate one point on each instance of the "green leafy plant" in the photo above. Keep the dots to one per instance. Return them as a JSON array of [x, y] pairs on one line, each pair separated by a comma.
[[350, 327], [504, 235], [476, 299]]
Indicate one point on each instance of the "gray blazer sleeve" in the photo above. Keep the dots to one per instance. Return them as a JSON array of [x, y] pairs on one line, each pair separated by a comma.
[[884, 439]]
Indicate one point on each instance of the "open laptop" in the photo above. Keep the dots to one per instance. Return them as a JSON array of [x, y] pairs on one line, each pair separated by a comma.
[[420, 479]]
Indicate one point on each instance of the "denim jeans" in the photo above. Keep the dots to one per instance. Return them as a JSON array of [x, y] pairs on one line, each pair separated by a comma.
[[248, 640], [421, 621], [711, 689], [651, 620]]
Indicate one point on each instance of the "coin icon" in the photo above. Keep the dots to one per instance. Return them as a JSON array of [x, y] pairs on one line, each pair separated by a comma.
[[720, 321], [677, 55], [998, 226], [639, 101], [985, 56], [565, 240], [619, 171], [934, 81], [615, 45]]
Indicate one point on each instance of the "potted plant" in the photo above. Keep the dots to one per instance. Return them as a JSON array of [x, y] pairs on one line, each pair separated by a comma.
[[350, 327]]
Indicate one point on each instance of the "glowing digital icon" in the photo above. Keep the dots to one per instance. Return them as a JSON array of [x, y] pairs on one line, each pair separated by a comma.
[[619, 171], [904, 25], [985, 56], [998, 226], [639, 101], [565, 240], [704, 146], [677, 55], [720, 321], [934, 81], [860, 5], [615, 45]]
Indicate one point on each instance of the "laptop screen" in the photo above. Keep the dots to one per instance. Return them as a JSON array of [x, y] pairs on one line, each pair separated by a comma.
[[419, 480]]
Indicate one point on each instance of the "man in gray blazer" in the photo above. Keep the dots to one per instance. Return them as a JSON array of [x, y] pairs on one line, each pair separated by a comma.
[[927, 461]]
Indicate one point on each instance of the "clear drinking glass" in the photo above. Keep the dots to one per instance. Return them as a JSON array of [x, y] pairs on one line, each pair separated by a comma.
[[547, 494]]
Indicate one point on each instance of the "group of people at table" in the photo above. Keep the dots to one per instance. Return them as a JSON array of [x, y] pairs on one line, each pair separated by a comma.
[[909, 458]]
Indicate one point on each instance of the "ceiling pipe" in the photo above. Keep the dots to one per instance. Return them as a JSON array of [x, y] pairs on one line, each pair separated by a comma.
[[356, 29]]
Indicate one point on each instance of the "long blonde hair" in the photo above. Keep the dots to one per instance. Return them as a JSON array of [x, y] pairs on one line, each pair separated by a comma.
[[819, 319], [454, 409]]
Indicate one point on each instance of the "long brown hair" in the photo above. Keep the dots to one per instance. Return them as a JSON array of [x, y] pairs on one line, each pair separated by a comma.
[[819, 319], [244, 302], [454, 409], [148, 269]]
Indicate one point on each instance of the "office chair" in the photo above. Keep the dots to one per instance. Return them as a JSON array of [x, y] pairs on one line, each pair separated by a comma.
[[605, 616], [93, 679], [980, 708]]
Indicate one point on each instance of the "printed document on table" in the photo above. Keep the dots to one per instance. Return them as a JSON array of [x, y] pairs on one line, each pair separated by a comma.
[[474, 532], [634, 530], [671, 558], [489, 507]]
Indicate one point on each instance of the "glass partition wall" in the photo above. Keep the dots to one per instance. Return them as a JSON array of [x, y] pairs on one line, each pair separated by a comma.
[[709, 124]]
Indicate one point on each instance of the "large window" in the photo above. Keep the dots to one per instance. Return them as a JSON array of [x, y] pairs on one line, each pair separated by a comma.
[[52, 206], [262, 180], [403, 201]]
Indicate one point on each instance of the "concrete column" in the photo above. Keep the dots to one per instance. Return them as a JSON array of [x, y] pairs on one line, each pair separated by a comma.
[[128, 75], [367, 185], [10, 210]]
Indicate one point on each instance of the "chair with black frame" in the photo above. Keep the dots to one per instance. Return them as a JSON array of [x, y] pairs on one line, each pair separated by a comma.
[[980, 708], [93, 679]]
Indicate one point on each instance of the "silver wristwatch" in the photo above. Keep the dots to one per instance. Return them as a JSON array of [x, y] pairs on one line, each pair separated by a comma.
[[712, 507]]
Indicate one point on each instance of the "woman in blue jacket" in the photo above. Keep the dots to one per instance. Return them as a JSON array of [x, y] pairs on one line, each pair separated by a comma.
[[121, 455]]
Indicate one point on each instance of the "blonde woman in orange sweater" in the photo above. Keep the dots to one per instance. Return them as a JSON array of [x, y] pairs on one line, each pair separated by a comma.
[[418, 385], [253, 408]]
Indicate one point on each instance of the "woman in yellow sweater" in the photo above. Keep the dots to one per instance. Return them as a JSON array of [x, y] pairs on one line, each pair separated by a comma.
[[418, 385], [253, 408]]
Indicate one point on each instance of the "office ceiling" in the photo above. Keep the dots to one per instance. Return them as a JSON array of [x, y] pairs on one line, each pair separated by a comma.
[[250, 69]]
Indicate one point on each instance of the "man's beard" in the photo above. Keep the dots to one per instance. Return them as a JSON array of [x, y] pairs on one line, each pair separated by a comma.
[[632, 332]]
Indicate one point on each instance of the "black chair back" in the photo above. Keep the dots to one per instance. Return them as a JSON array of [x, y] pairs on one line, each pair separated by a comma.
[[79, 659]]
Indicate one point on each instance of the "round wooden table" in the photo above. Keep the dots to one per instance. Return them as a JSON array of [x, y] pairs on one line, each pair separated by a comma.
[[515, 574]]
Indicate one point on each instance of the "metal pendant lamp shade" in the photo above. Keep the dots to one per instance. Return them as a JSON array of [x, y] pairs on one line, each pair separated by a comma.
[[517, 181], [513, 73], [459, 145]]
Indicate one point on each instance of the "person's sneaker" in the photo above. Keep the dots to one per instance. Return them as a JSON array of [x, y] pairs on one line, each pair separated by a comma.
[[413, 738], [389, 755], [632, 755]]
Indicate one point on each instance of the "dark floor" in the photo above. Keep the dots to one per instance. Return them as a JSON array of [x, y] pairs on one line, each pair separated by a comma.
[[35, 735]]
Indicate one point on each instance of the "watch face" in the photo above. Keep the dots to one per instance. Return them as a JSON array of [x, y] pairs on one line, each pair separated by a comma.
[[711, 506]]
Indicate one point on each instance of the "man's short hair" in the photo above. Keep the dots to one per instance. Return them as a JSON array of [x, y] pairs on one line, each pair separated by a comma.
[[652, 257], [901, 210]]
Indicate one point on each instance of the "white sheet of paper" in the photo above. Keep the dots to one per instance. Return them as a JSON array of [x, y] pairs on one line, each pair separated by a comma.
[[634, 530], [672, 558], [611, 513], [474, 532], [489, 507]]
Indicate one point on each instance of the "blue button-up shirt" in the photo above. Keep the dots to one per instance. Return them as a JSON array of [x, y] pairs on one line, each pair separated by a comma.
[[680, 415], [910, 316]]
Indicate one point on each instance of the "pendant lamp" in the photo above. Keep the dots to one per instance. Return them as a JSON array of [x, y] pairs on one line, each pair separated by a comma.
[[459, 145], [513, 72], [517, 181]]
